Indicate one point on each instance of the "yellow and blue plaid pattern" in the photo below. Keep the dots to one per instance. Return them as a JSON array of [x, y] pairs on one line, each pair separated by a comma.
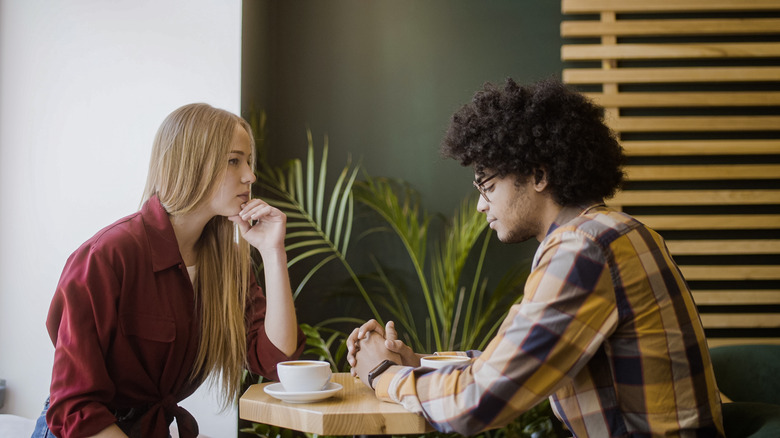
[[607, 329]]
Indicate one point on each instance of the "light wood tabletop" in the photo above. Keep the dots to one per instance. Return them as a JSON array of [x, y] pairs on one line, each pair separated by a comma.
[[354, 410]]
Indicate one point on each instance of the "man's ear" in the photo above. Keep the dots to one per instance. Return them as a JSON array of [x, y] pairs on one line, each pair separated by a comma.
[[540, 180]]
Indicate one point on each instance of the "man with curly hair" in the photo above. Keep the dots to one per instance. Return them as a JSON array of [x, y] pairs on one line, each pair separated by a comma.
[[607, 327]]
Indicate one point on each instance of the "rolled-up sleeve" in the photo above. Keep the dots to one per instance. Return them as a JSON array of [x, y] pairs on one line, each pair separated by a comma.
[[81, 322]]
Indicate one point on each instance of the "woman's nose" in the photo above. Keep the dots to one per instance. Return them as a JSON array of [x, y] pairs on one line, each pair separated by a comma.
[[249, 176]]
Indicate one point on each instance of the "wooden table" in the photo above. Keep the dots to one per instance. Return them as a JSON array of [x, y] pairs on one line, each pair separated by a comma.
[[354, 410]]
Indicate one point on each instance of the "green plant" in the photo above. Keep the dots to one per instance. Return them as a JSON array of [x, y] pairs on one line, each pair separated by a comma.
[[440, 284], [317, 227], [320, 228], [333, 348]]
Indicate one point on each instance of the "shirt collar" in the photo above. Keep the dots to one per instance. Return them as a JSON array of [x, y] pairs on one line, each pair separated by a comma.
[[163, 246], [568, 213]]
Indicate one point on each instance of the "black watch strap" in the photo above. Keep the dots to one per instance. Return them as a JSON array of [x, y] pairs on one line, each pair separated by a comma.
[[379, 369]]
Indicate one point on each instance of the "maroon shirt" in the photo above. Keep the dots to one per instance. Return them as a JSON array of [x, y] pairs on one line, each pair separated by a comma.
[[124, 324]]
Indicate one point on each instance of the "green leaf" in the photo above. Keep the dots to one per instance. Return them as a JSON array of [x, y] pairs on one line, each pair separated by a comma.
[[311, 273], [322, 182], [302, 198]]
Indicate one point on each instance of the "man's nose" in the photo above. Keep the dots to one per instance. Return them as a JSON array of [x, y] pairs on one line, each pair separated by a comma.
[[482, 205]]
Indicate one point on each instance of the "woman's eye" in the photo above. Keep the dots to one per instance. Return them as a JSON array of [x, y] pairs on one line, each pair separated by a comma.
[[233, 161]]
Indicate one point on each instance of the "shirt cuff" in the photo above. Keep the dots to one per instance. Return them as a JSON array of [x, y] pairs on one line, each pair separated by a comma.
[[383, 381]]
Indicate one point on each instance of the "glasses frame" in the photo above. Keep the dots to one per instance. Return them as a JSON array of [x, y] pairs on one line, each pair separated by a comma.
[[480, 186]]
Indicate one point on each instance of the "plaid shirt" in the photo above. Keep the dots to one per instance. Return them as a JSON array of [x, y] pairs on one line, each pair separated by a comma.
[[607, 329]]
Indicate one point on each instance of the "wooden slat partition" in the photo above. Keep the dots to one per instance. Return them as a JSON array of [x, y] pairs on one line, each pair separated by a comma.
[[713, 172], [714, 222], [682, 99], [692, 89], [697, 197], [670, 75], [729, 247], [586, 52], [642, 6], [741, 297], [701, 147], [693, 123], [670, 27]]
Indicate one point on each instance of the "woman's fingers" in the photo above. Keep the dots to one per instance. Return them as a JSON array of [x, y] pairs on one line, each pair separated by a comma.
[[257, 211]]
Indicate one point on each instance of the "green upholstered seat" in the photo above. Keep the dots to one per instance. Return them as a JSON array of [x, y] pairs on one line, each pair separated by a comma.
[[749, 375], [751, 420]]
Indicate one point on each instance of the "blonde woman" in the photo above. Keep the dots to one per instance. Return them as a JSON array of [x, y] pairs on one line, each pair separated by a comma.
[[164, 299]]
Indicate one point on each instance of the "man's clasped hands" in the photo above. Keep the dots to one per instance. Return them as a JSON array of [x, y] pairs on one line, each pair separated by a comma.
[[370, 344]]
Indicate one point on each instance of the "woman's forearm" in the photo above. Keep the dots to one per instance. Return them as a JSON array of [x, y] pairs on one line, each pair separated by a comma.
[[112, 431], [281, 324]]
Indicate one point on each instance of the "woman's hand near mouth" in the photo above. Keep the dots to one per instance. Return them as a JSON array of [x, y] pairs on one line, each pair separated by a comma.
[[267, 232]]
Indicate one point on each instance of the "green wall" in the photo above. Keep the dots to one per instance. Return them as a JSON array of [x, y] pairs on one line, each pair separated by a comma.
[[382, 78]]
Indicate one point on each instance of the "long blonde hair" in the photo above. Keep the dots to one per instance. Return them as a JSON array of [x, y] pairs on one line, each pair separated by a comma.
[[189, 159]]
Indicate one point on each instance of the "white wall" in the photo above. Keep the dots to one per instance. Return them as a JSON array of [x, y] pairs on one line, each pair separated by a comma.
[[83, 86]]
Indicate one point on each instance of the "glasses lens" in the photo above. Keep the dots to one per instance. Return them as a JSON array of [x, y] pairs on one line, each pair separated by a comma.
[[481, 188]]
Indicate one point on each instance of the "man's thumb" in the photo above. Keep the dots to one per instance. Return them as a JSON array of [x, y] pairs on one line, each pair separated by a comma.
[[395, 346], [390, 332]]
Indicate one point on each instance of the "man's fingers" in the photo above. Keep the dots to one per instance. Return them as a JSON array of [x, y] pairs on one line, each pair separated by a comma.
[[352, 347], [390, 333], [370, 326], [352, 340], [395, 346]]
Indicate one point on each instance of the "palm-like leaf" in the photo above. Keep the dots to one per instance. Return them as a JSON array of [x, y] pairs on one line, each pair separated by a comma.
[[403, 218], [448, 262], [300, 194], [444, 297], [320, 226]]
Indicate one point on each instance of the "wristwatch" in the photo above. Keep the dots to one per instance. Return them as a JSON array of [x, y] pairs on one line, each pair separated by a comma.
[[379, 369]]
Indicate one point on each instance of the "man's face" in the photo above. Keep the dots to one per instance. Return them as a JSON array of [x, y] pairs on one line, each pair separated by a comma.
[[511, 207]]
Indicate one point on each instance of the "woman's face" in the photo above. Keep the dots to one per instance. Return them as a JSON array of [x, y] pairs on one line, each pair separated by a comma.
[[234, 188]]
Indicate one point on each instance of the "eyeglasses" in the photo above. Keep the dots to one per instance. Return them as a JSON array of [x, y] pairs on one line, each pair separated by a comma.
[[480, 185]]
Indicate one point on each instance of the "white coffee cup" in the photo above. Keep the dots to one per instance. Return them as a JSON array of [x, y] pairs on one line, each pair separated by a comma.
[[303, 375], [443, 361]]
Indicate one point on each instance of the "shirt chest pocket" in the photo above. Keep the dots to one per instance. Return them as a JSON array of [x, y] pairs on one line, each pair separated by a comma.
[[148, 327]]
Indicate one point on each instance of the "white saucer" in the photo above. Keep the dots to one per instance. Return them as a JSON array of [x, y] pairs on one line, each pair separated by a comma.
[[276, 390]]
